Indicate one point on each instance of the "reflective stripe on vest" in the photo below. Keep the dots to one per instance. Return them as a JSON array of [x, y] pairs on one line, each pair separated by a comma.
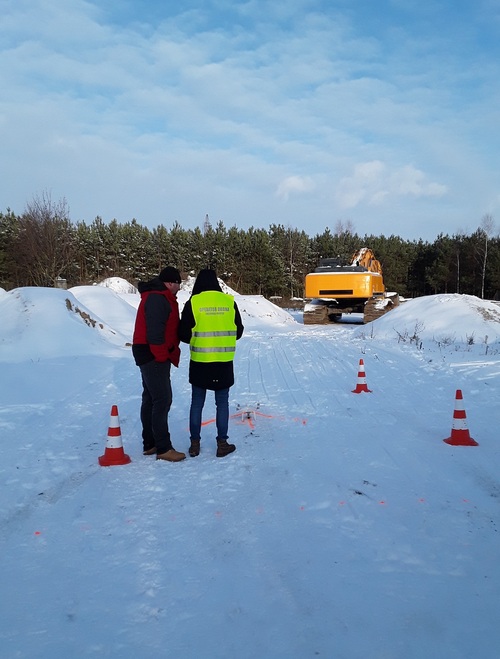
[[214, 334]]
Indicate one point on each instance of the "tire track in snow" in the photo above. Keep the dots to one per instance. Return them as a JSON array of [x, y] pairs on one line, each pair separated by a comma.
[[278, 368], [249, 352], [262, 384], [286, 358], [331, 363]]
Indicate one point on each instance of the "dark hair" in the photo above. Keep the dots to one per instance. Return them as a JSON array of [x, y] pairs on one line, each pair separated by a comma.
[[206, 281]]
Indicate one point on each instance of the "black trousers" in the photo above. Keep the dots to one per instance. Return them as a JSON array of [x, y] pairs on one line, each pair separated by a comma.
[[156, 403]]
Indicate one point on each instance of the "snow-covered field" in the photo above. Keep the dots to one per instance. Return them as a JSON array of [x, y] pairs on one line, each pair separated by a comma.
[[343, 527]]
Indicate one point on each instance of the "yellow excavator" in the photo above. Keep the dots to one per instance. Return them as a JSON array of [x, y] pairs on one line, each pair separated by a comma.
[[336, 288]]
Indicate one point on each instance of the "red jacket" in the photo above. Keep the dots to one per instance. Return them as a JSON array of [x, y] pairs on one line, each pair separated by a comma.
[[156, 325]]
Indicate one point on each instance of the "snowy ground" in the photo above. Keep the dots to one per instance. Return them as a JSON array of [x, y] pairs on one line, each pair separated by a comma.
[[343, 527]]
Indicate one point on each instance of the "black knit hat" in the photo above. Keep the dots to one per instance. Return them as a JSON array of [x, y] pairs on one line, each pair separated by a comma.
[[170, 274]]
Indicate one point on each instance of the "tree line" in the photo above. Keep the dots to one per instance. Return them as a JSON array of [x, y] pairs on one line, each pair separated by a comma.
[[42, 246]]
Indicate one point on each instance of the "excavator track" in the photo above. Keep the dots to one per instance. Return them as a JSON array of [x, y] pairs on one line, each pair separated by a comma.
[[376, 307], [321, 314], [316, 315]]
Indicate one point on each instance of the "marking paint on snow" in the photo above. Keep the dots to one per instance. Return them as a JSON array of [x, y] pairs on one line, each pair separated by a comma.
[[384, 502], [248, 416]]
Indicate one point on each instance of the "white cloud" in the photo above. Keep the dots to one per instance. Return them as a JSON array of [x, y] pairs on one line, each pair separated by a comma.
[[294, 185], [373, 183], [411, 181]]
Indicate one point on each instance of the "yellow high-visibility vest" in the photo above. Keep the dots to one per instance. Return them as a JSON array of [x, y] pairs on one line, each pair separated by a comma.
[[214, 334]]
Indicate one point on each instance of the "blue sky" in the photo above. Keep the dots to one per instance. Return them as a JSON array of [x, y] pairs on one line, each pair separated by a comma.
[[381, 114]]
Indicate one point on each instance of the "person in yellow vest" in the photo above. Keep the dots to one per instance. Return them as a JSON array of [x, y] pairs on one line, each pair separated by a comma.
[[211, 324]]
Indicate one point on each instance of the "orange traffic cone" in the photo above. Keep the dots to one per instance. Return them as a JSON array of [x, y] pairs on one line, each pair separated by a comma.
[[114, 454], [361, 384], [459, 433]]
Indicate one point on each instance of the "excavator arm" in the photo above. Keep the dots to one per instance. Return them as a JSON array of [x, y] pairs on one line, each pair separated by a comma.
[[366, 258]]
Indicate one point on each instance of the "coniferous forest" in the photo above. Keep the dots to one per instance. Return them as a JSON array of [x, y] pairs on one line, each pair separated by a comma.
[[43, 245]]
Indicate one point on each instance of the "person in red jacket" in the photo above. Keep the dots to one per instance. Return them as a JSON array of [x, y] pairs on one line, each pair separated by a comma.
[[155, 348]]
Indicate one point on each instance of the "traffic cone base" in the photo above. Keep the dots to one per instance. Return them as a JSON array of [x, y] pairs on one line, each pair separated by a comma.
[[114, 453], [361, 384], [114, 456], [460, 438], [459, 432]]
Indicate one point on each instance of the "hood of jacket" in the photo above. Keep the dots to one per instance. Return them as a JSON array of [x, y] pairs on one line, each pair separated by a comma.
[[206, 281], [152, 285]]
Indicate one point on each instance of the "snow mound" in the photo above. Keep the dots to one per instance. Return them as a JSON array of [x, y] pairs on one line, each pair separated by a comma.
[[444, 318], [41, 323], [118, 285], [255, 310], [113, 308]]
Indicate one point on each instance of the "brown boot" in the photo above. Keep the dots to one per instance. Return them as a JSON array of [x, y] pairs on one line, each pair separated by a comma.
[[171, 456], [223, 448], [149, 451], [194, 449]]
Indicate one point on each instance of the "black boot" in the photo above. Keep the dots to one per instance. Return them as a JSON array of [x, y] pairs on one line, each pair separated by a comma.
[[223, 448], [194, 449]]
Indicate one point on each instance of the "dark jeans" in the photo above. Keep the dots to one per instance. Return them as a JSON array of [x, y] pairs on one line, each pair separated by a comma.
[[156, 402], [198, 395]]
